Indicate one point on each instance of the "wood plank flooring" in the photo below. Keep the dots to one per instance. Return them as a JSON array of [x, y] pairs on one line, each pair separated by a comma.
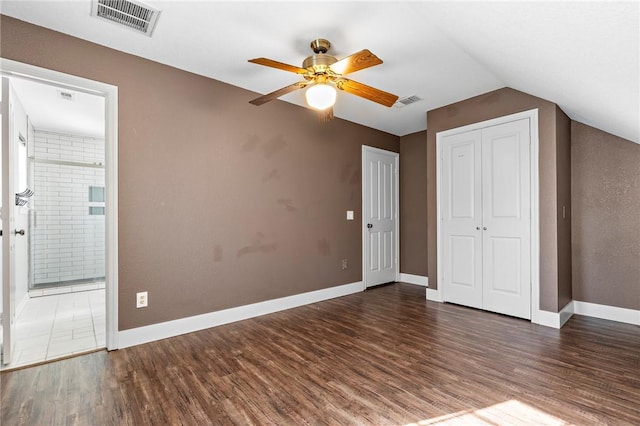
[[385, 356]]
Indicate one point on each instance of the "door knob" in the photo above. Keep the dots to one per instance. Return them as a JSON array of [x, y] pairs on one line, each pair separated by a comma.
[[477, 228], [369, 225], [20, 232], [484, 228]]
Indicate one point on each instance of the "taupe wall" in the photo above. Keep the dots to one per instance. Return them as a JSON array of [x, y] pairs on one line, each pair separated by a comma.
[[563, 167], [605, 180], [413, 204], [221, 203], [484, 107]]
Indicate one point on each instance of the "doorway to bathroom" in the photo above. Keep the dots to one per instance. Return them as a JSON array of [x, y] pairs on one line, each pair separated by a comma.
[[55, 298]]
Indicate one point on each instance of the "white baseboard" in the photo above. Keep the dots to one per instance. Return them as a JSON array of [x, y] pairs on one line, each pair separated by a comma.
[[575, 307], [566, 313], [150, 333], [553, 319], [414, 279], [613, 313], [434, 295]]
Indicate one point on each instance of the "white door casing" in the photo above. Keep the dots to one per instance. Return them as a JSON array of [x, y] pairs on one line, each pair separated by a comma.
[[485, 218], [379, 216], [110, 93]]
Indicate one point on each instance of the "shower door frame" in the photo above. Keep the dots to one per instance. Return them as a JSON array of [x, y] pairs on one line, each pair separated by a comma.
[[109, 92], [32, 162]]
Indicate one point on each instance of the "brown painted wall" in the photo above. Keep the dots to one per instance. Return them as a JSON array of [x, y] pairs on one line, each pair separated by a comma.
[[484, 107], [413, 204], [606, 218], [221, 203], [563, 167]]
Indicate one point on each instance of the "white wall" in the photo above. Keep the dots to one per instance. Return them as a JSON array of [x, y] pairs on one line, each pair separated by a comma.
[[68, 244]]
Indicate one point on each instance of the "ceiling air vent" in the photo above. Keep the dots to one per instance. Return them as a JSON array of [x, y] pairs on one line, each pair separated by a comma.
[[403, 102], [129, 13], [67, 96]]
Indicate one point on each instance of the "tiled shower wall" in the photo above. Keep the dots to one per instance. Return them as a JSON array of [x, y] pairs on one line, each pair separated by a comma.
[[68, 244]]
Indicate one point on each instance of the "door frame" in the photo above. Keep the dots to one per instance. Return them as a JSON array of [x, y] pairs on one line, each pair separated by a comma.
[[109, 92], [532, 115], [396, 161]]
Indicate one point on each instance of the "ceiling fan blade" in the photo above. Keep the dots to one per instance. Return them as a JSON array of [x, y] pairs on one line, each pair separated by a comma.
[[280, 92], [279, 65], [356, 62], [367, 92]]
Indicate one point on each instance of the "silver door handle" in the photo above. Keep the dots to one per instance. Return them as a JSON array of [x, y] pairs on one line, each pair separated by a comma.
[[20, 232]]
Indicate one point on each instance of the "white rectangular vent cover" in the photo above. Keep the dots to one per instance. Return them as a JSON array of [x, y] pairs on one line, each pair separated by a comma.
[[129, 13], [403, 102]]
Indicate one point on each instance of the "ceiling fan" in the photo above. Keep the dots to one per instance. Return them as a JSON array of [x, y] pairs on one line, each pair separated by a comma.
[[323, 72]]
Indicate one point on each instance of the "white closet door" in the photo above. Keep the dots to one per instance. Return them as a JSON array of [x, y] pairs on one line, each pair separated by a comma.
[[506, 219], [379, 210], [461, 207]]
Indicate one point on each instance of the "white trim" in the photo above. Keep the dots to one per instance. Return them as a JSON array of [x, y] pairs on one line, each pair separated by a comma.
[[613, 313], [537, 316], [396, 157], [566, 313], [414, 279], [434, 295], [110, 94], [150, 333], [548, 319], [555, 319]]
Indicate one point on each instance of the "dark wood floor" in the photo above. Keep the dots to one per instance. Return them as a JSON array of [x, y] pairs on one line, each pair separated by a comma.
[[386, 356]]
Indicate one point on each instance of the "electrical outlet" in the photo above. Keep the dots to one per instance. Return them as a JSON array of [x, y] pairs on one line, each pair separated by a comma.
[[142, 299], [345, 263]]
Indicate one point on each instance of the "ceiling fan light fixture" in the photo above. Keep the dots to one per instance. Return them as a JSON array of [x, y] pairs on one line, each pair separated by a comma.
[[321, 96]]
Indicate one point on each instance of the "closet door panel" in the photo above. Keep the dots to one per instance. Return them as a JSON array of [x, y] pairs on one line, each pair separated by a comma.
[[506, 219], [461, 219]]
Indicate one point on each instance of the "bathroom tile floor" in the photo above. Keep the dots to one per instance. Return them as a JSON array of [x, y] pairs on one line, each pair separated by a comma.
[[51, 327]]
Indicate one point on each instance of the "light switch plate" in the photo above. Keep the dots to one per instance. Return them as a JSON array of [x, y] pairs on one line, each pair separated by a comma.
[[349, 214]]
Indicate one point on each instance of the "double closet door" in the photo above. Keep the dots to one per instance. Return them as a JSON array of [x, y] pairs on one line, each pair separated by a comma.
[[486, 218]]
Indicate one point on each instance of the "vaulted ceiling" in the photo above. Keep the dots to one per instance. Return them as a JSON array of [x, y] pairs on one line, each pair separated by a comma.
[[584, 56]]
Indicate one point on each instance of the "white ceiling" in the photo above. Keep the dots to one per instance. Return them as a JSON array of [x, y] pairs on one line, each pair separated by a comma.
[[83, 115], [582, 55]]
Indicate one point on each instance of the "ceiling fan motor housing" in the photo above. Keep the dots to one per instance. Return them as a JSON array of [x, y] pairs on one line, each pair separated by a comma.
[[319, 62]]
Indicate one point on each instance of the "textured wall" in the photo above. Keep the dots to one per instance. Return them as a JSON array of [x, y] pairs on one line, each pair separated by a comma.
[[413, 204], [606, 218], [484, 107], [221, 203], [563, 167]]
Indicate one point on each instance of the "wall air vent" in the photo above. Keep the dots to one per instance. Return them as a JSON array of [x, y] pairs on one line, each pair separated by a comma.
[[132, 14], [408, 100]]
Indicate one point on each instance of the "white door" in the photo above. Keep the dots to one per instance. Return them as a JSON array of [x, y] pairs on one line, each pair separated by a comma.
[[379, 212], [8, 226], [486, 218], [506, 218], [461, 208]]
